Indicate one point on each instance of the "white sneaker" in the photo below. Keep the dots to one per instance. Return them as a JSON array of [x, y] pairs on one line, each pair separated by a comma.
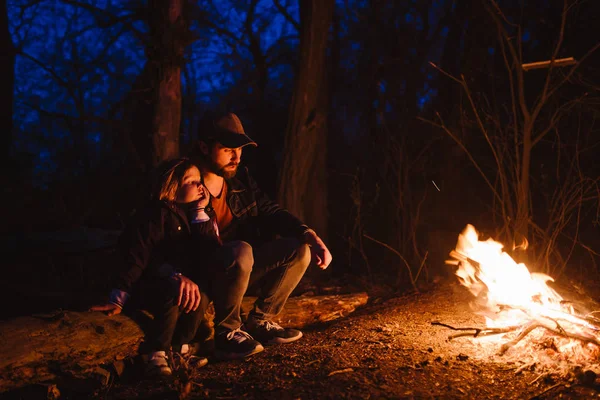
[[186, 354], [157, 364]]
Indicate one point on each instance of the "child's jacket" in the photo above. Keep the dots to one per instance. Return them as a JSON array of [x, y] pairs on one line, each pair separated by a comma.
[[160, 235]]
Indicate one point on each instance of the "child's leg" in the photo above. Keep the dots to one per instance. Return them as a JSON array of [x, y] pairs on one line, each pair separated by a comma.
[[205, 329], [159, 298], [188, 323]]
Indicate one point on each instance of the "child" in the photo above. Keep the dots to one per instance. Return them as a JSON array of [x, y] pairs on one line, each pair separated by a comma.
[[159, 251]]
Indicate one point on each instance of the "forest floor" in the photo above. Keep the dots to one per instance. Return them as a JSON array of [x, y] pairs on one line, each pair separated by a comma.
[[387, 349]]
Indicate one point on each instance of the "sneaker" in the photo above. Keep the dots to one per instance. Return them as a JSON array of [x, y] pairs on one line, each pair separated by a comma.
[[187, 355], [231, 345], [157, 365], [269, 332]]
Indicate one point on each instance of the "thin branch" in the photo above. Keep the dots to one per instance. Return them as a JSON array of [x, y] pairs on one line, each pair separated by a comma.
[[468, 153], [387, 246], [482, 126], [422, 265], [555, 118], [573, 69], [476, 332], [286, 15], [45, 67], [539, 395], [514, 55], [544, 96], [126, 20], [445, 73]]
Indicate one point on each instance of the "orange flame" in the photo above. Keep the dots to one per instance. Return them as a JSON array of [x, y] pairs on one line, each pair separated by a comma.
[[509, 293]]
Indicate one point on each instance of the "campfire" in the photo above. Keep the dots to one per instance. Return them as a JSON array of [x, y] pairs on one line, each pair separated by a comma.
[[518, 305]]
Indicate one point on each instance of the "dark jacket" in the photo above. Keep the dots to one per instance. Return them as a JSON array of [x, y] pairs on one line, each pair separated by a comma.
[[257, 219], [161, 234]]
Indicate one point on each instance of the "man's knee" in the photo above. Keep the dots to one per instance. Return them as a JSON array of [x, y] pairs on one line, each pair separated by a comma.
[[303, 256], [241, 255]]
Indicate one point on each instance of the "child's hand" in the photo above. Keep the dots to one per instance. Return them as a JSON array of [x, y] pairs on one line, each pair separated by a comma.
[[108, 309], [189, 294], [196, 209], [204, 196]]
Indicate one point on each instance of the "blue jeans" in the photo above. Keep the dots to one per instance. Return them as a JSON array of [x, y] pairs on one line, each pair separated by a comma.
[[274, 269]]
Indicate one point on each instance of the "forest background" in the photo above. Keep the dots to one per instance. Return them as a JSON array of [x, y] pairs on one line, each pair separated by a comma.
[[386, 125]]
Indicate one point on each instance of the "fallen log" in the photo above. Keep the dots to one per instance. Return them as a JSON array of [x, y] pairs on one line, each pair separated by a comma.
[[71, 345]]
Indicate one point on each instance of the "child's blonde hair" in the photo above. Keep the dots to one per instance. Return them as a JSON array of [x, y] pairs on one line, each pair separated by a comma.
[[168, 178]]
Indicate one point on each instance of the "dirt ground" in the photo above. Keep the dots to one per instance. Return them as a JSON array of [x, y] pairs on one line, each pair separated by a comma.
[[388, 349]]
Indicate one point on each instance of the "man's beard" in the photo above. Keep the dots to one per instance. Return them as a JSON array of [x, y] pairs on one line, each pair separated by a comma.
[[227, 174], [221, 171]]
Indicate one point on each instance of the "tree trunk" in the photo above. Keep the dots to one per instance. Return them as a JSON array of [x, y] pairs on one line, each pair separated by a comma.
[[154, 104], [7, 72], [169, 34], [303, 177], [521, 233], [72, 345]]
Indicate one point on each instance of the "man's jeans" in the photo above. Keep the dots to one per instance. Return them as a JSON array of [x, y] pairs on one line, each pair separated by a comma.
[[275, 269]]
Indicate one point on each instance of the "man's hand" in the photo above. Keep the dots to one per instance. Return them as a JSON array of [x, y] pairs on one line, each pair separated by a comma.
[[108, 309], [318, 249], [189, 294]]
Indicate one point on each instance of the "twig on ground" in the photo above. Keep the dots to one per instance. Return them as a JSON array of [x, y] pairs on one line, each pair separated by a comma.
[[340, 371], [540, 376], [524, 367], [476, 332], [537, 396], [526, 330]]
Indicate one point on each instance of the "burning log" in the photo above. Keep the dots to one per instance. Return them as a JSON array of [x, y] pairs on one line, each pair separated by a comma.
[[70, 346], [557, 329], [524, 331]]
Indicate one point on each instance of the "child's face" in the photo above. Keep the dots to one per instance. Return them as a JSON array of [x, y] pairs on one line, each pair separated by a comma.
[[191, 188]]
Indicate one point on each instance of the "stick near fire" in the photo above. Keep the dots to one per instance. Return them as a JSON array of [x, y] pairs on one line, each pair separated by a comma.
[[478, 332]]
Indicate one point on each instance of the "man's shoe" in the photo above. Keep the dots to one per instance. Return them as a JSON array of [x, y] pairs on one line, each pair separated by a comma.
[[269, 332], [187, 354], [157, 365], [231, 345]]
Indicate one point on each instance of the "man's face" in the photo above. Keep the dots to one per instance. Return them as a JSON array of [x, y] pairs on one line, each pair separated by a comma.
[[224, 161]]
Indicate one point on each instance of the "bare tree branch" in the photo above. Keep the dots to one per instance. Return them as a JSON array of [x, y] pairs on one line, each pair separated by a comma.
[[111, 19], [516, 59], [286, 15]]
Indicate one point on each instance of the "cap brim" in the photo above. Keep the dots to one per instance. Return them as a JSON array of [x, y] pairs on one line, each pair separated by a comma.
[[234, 140]]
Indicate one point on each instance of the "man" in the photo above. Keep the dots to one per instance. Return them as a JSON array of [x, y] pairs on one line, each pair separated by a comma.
[[264, 246]]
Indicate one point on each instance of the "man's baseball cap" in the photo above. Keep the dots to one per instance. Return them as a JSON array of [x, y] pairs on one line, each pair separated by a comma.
[[224, 128]]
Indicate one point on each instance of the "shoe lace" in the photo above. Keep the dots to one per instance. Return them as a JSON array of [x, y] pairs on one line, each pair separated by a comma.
[[158, 359], [268, 325], [158, 355], [238, 335]]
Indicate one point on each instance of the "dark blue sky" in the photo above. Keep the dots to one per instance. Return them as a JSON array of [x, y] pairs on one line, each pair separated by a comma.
[[76, 65]]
